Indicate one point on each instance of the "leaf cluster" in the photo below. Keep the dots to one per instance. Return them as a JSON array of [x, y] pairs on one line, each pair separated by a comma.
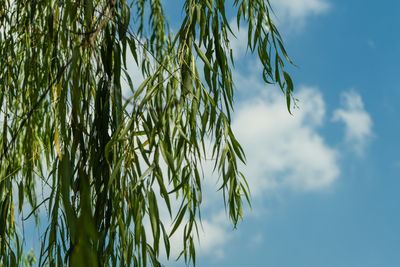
[[109, 162]]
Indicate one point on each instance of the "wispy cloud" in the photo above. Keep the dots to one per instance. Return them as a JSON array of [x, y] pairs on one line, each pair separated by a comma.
[[293, 13], [371, 43], [357, 121]]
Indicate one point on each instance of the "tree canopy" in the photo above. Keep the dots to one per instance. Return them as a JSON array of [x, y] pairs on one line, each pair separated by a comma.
[[110, 161]]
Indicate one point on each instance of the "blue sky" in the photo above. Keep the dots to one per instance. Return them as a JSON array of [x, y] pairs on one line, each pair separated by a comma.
[[325, 181]]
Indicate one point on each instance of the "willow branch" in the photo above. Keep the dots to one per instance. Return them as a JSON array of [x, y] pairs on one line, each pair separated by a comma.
[[30, 113]]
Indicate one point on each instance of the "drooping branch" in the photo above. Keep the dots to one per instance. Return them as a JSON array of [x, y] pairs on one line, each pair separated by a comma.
[[32, 110]]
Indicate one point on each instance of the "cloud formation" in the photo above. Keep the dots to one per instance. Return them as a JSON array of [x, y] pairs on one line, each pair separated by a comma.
[[294, 12], [284, 150], [357, 121]]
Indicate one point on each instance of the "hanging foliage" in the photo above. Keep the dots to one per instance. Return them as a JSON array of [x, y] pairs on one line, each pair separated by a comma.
[[110, 161]]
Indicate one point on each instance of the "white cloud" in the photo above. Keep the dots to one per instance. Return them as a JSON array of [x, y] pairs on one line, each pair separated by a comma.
[[283, 151], [215, 234], [356, 119], [294, 12]]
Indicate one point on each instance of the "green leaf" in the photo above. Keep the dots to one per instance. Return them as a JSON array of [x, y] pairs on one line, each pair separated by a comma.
[[154, 218], [166, 241], [167, 156], [202, 56], [35, 209], [115, 171], [141, 87], [178, 219], [289, 81]]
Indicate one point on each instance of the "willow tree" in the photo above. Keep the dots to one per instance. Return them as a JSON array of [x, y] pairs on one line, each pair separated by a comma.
[[109, 161]]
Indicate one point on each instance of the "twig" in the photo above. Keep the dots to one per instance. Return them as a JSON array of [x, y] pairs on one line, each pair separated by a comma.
[[94, 35], [103, 22]]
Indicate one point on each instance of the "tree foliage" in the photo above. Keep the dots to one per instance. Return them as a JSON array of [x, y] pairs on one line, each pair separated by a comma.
[[109, 162]]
